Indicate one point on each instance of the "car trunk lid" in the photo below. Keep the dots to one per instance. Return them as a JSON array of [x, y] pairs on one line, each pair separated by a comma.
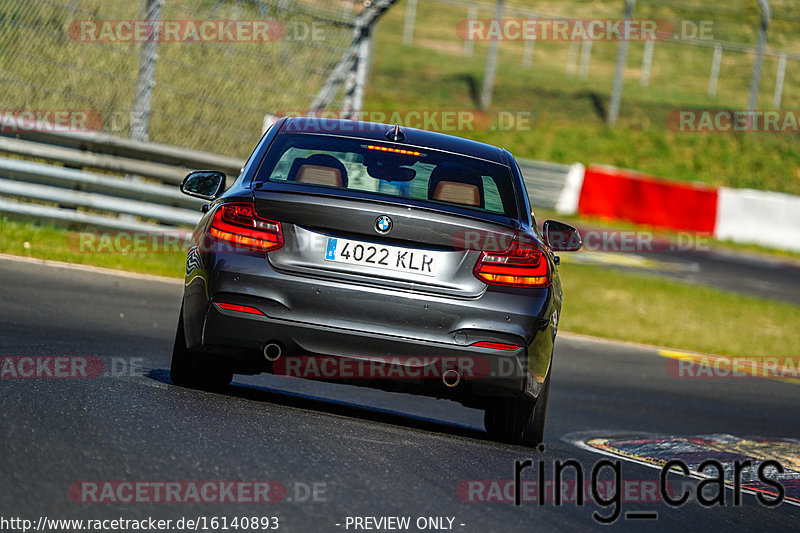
[[380, 243]]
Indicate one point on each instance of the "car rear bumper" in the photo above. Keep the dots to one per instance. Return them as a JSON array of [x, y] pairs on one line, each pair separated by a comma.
[[363, 335]]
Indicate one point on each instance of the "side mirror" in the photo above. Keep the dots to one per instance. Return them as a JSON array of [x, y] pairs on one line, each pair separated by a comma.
[[205, 184], [561, 237]]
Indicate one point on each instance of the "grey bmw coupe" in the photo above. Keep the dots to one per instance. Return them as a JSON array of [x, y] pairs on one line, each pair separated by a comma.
[[381, 256]]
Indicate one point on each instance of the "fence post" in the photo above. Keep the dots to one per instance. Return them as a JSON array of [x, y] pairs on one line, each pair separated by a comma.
[[469, 44], [140, 118], [619, 71], [571, 65], [353, 67], [411, 19], [647, 62], [357, 79], [779, 78], [586, 56], [491, 63], [713, 77], [752, 101], [527, 52]]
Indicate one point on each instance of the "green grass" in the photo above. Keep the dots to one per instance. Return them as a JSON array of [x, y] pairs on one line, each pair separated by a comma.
[[597, 301], [651, 310], [569, 112], [59, 244]]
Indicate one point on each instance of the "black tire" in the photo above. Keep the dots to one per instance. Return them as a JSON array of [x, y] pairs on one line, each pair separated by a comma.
[[196, 370], [505, 419], [518, 420], [533, 434]]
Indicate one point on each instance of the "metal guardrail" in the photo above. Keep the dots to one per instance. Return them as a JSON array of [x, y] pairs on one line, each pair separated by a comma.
[[90, 200], [80, 218], [134, 190], [76, 196], [544, 181], [81, 180], [83, 159], [100, 143]]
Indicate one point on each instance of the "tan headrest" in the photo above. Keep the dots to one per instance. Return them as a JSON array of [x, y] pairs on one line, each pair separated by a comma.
[[319, 175], [457, 193]]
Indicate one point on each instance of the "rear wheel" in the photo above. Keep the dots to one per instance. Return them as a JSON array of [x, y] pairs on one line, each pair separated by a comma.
[[534, 429], [193, 369], [518, 420], [505, 418]]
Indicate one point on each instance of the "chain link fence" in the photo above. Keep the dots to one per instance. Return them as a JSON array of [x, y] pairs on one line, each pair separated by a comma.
[[207, 81], [704, 55], [212, 94]]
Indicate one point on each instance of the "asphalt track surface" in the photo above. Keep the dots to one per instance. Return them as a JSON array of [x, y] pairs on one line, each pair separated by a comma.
[[374, 453], [744, 273], [690, 258]]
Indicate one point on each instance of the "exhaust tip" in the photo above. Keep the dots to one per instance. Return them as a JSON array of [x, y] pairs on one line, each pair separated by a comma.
[[272, 351], [451, 378]]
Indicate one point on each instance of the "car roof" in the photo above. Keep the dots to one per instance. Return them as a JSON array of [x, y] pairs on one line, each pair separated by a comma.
[[374, 131]]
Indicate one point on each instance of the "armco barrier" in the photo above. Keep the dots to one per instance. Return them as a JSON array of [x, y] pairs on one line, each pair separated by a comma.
[[114, 199], [613, 193], [568, 198], [762, 217], [544, 181], [740, 215]]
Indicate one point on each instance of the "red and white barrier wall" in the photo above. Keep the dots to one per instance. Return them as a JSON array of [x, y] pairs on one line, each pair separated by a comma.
[[740, 215]]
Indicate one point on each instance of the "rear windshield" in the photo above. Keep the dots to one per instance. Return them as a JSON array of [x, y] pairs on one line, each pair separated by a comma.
[[390, 169]]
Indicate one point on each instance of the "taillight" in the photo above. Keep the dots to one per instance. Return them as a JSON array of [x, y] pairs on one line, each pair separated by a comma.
[[522, 265], [239, 225], [240, 308], [393, 150]]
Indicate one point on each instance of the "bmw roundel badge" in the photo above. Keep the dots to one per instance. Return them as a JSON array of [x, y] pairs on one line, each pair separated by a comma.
[[383, 224]]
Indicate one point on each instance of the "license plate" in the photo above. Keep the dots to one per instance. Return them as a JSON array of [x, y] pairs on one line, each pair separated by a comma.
[[381, 256]]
